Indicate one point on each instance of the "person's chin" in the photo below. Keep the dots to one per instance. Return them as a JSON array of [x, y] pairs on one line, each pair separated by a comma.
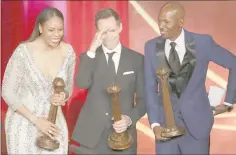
[[54, 44], [163, 35], [110, 45]]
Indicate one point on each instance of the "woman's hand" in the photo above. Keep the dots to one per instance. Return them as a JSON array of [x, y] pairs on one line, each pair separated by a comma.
[[47, 127]]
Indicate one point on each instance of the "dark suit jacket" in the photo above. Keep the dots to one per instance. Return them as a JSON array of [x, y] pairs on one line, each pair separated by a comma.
[[234, 100], [96, 113], [193, 105]]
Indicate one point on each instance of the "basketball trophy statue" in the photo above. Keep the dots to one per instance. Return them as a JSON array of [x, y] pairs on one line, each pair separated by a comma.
[[171, 130], [118, 141], [44, 141]]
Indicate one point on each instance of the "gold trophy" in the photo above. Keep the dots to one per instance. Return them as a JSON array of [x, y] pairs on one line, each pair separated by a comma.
[[171, 129], [118, 141], [45, 141]]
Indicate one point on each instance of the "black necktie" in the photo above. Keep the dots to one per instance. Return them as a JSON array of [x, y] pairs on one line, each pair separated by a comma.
[[111, 64], [174, 61]]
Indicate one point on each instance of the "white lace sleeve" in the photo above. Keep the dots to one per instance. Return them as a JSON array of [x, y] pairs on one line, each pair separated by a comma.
[[12, 85], [70, 72]]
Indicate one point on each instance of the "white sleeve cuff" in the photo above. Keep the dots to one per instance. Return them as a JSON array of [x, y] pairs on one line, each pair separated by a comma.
[[154, 124], [130, 121], [213, 112], [91, 54], [228, 104]]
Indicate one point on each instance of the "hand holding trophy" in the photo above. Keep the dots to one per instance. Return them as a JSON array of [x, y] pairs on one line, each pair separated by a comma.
[[44, 141], [118, 141]]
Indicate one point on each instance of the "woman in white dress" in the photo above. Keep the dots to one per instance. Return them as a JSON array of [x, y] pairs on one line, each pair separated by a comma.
[[27, 86]]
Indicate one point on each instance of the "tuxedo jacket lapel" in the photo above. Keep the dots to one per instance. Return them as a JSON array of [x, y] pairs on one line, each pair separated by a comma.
[[188, 64], [190, 55], [124, 61], [189, 61], [160, 55], [101, 62]]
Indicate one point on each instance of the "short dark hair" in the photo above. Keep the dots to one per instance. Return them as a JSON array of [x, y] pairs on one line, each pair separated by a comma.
[[106, 13]]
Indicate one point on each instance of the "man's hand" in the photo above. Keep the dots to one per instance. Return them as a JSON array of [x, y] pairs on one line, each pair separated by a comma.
[[122, 125], [97, 40], [157, 131], [219, 109]]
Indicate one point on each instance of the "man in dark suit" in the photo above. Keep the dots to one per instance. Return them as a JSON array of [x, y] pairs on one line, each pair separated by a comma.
[[107, 61], [186, 55]]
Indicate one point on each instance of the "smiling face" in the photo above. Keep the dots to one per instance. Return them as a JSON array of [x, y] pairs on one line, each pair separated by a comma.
[[171, 19], [52, 31], [112, 36]]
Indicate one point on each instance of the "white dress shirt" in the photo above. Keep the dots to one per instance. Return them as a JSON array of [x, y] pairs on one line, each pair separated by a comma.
[[180, 47], [115, 58], [181, 50]]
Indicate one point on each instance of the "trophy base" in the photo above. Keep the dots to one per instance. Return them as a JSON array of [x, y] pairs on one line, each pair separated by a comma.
[[47, 143], [173, 132], [120, 141]]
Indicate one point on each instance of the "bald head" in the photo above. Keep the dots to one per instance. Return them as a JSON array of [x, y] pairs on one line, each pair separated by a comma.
[[175, 8], [171, 19]]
